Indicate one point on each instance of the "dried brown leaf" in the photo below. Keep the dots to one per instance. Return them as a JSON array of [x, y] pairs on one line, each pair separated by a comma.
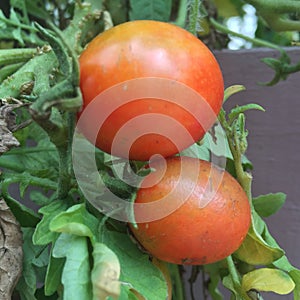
[[11, 254]]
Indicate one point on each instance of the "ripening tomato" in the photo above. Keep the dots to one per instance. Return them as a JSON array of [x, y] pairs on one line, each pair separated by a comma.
[[211, 220], [158, 89]]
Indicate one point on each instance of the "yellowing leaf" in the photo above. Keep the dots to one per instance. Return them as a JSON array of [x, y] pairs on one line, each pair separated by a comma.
[[226, 8], [106, 273], [231, 90], [255, 251], [268, 280]]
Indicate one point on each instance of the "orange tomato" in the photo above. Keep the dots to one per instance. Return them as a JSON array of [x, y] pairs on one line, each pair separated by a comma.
[[158, 89], [211, 220]]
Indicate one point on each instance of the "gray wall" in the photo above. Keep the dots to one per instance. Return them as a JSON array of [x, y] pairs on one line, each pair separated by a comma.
[[274, 138]]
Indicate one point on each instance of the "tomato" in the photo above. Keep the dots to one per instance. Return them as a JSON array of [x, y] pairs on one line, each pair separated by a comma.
[[158, 89], [194, 233]]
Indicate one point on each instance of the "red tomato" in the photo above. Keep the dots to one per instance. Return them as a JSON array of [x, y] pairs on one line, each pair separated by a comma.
[[155, 78], [194, 233]]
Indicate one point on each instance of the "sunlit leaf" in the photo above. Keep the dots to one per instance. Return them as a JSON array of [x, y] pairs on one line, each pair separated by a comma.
[[76, 271], [76, 220], [268, 280], [255, 251], [231, 90], [105, 273]]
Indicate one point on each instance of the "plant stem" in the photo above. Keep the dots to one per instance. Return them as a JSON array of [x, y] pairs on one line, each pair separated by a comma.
[[182, 13], [65, 159], [18, 25], [36, 181], [12, 56], [276, 7], [177, 281], [233, 272], [194, 16], [244, 178]]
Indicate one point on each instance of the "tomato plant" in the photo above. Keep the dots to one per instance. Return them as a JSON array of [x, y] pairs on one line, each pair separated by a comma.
[[210, 223], [59, 58], [143, 49]]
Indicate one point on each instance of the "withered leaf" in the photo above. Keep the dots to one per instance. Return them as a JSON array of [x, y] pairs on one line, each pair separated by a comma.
[[11, 253], [8, 125]]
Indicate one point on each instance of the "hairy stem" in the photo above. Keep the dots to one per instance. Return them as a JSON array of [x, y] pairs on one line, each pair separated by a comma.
[[12, 56], [194, 8]]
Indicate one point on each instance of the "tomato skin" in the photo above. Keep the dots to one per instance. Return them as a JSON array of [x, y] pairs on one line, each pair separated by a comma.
[[141, 49], [193, 235]]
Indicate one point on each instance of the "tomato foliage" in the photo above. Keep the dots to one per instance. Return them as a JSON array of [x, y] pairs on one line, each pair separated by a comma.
[[71, 248]]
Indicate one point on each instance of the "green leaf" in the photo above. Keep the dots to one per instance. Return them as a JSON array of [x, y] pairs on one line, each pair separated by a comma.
[[295, 274], [268, 280], [216, 142], [132, 261], [284, 264], [76, 271], [38, 161], [229, 8], [231, 90], [228, 283], [53, 275], [34, 262], [214, 279], [255, 251], [267, 205], [118, 10], [105, 273], [159, 10], [90, 16], [235, 112], [43, 235], [197, 151], [30, 71], [35, 8], [25, 216], [76, 220]]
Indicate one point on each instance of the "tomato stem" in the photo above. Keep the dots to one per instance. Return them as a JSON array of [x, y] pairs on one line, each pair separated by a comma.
[[182, 13], [194, 16], [236, 279], [237, 144], [65, 160], [12, 56], [177, 282], [233, 272]]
